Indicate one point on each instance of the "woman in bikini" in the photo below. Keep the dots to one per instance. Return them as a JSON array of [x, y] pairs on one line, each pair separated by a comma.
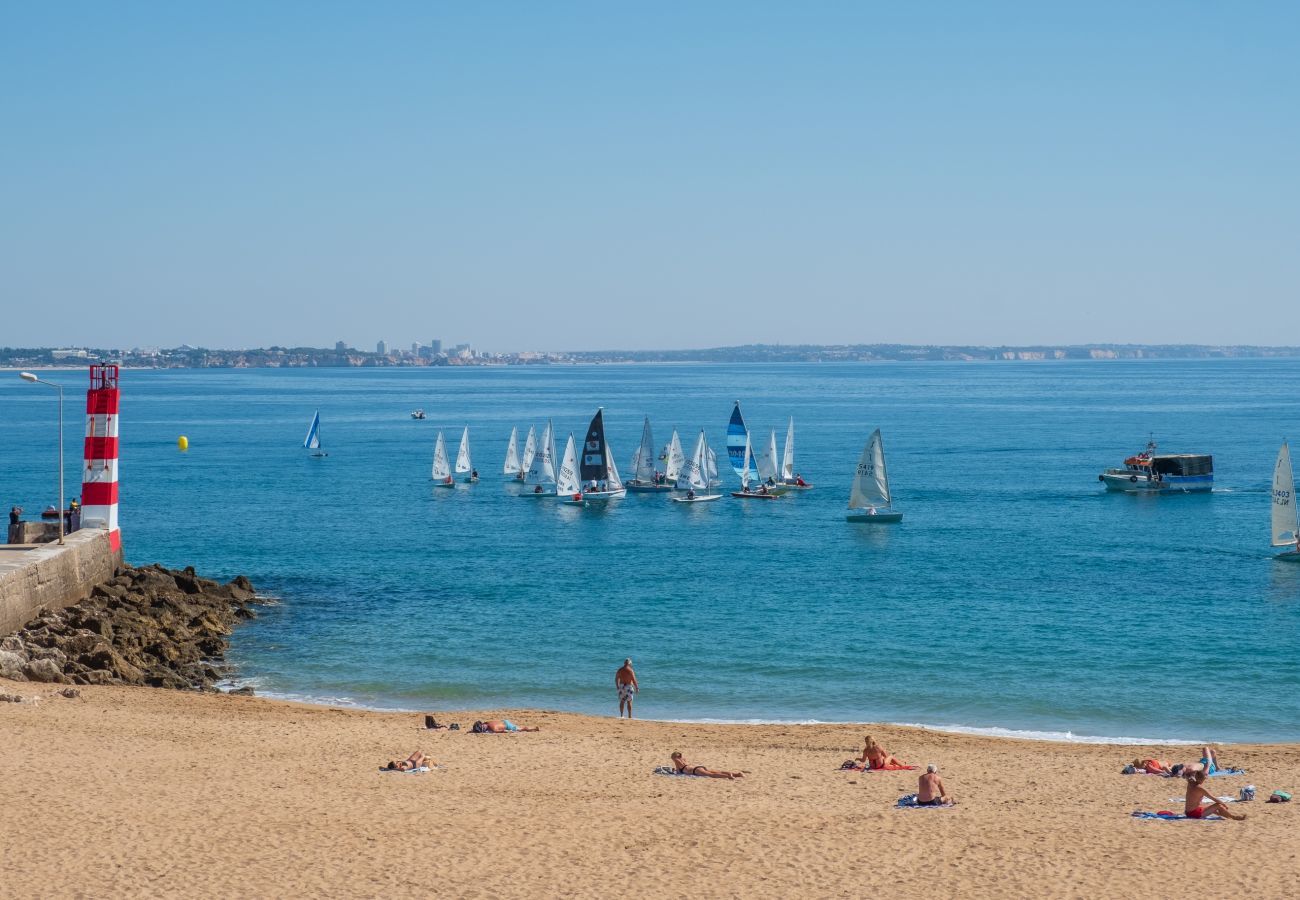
[[415, 761], [685, 768], [875, 757]]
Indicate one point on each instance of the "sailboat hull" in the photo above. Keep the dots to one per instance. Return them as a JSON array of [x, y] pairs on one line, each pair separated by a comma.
[[747, 495], [799, 487], [705, 498], [1288, 556], [648, 488], [880, 517], [601, 496]]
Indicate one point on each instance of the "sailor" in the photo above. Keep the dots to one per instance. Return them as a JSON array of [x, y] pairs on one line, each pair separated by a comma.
[[690, 495]]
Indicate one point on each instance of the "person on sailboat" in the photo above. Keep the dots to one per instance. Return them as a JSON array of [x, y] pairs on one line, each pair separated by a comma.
[[625, 681], [537, 489], [474, 474], [798, 480], [690, 495]]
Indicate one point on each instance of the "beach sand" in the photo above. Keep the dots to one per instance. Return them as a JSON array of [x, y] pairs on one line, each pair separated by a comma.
[[142, 792]]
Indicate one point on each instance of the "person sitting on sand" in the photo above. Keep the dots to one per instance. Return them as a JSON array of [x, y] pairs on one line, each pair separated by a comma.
[[930, 790], [500, 726], [1196, 794], [875, 757], [685, 768], [416, 760]]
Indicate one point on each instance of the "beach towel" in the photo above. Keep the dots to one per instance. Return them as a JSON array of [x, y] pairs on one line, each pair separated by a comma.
[[850, 766], [909, 802], [1221, 800], [404, 771], [672, 770], [1166, 816], [1234, 771]]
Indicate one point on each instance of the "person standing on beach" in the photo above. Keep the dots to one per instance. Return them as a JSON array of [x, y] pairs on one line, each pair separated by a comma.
[[625, 681]]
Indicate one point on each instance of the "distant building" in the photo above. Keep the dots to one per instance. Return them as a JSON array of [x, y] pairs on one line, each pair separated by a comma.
[[415, 348], [435, 346], [341, 347], [382, 348], [69, 354]]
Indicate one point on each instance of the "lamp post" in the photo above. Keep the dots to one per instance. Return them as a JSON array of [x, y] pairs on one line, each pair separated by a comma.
[[28, 376]]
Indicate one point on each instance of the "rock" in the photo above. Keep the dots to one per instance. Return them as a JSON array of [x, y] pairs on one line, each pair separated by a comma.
[[98, 678], [108, 590], [11, 665], [244, 691], [10, 698], [241, 589], [45, 670], [53, 654], [70, 693], [11, 643]]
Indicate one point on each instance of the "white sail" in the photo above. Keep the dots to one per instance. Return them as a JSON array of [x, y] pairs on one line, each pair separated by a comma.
[[745, 469], [512, 454], [530, 448], [765, 460], [566, 480], [542, 470], [676, 459], [441, 468], [694, 471], [787, 460], [870, 483], [463, 464], [711, 466], [611, 471], [643, 461], [1284, 508]]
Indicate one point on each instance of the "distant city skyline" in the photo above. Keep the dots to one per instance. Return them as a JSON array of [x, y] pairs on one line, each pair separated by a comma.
[[560, 176]]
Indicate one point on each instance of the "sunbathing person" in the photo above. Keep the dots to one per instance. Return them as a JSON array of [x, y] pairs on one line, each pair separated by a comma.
[[681, 765], [1152, 767], [930, 790], [500, 726], [1196, 793], [875, 757], [416, 760]]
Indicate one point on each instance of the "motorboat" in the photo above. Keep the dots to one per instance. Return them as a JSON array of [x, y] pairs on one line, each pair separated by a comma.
[[1152, 472]]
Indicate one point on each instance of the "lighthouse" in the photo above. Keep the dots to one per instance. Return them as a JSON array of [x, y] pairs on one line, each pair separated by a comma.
[[99, 474]]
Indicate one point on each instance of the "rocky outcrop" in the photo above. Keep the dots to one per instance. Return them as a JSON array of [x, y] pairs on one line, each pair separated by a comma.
[[150, 626]]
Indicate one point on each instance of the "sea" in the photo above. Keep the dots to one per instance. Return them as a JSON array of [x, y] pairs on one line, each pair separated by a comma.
[[1016, 596]]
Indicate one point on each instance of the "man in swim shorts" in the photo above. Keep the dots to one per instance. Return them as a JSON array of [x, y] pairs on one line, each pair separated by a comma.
[[930, 790], [625, 681]]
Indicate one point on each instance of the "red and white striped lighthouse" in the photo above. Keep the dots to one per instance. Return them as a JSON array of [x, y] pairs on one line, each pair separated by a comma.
[[99, 476]]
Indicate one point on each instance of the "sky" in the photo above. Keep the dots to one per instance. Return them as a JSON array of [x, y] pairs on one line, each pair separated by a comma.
[[553, 176]]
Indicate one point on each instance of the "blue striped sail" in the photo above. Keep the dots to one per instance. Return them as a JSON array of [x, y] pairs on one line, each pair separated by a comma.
[[736, 435], [312, 441]]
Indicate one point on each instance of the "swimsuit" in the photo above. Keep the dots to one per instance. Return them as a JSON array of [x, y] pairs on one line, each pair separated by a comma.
[[510, 726], [626, 691], [1198, 813], [934, 801]]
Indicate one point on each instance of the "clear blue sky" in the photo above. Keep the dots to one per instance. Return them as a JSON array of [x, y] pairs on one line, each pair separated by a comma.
[[557, 176]]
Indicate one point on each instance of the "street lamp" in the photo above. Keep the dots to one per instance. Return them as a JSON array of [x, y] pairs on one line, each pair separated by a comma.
[[28, 376]]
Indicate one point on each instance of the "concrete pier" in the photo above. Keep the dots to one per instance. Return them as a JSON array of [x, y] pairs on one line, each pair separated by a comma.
[[52, 575]]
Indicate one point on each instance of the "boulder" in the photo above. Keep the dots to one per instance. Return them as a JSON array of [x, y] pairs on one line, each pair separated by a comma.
[[11, 665], [45, 670]]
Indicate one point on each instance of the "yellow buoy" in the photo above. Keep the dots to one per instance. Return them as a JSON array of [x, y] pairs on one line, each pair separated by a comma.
[[183, 442]]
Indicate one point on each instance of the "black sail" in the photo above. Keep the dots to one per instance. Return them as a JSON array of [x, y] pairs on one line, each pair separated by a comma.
[[592, 467]]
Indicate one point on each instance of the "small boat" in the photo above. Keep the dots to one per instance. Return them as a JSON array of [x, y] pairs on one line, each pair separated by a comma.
[[566, 479], [597, 470], [644, 478], [512, 466], [745, 492], [312, 440], [1286, 533], [869, 499], [765, 462], [541, 470], [789, 476], [530, 449], [711, 467], [1149, 472], [465, 468], [737, 441], [694, 476], [50, 512], [417, 414], [441, 467]]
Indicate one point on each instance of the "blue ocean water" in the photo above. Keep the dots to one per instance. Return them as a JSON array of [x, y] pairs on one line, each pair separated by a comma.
[[1016, 594]]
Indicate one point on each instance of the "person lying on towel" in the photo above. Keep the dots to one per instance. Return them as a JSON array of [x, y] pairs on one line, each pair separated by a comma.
[[498, 726], [416, 760], [685, 768]]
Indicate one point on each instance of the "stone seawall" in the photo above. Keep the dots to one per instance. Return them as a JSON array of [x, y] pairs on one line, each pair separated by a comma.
[[52, 576]]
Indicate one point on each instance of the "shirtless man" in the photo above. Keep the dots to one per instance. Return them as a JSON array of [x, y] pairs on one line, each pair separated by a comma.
[[930, 790], [625, 681], [501, 726], [1196, 793]]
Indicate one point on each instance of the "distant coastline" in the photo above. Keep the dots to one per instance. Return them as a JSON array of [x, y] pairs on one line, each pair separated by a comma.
[[186, 357]]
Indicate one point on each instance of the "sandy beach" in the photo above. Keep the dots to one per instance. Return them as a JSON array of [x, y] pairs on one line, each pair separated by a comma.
[[140, 792]]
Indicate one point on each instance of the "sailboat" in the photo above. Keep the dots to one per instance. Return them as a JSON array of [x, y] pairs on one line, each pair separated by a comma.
[[566, 479], [788, 474], [541, 473], [312, 440], [597, 470], [644, 478], [694, 476], [1285, 530], [765, 462], [675, 459], [463, 465], [530, 448], [441, 468], [711, 467], [761, 493], [869, 499], [737, 439], [512, 466]]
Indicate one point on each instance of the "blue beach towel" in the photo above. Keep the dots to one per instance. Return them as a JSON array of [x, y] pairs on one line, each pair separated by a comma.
[[1173, 817], [909, 802], [1217, 772]]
